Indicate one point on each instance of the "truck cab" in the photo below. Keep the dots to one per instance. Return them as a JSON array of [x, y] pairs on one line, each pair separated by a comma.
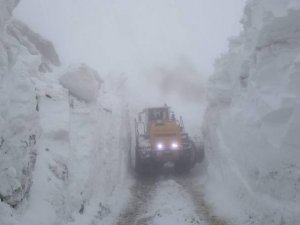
[[160, 138]]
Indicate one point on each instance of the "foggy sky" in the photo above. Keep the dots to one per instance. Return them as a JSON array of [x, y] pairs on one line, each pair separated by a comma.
[[147, 40], [127, 35]]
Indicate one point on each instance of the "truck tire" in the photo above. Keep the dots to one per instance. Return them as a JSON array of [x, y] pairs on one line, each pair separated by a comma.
[[138, 164], [188, 161]]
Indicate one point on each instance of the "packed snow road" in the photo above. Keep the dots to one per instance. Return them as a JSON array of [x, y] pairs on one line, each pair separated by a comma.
[[168, 199]]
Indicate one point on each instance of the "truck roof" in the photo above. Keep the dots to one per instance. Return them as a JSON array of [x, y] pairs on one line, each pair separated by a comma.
[[157, 107]]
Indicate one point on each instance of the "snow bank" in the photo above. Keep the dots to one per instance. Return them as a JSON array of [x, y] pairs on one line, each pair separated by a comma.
[[82, 82], [62, 160], [253, 120], [20, 63], [82, 163], [99, 163]]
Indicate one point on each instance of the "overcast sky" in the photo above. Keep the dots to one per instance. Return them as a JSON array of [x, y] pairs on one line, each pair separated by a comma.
[[143, 39]]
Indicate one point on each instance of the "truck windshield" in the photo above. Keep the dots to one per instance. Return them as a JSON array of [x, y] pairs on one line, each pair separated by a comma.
[[158, 114], [166, 135]]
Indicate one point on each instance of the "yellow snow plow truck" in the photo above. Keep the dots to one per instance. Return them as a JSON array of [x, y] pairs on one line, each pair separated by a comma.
[[160, 138]]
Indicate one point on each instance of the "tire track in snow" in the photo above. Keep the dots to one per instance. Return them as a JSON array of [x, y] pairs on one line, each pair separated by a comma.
[[169, 199], [141, 193], [189, 183], [171, 204]]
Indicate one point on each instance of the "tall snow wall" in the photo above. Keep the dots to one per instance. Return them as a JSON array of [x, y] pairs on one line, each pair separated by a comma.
[[23, 56], [83, 156], [64, 138], [252, 126]]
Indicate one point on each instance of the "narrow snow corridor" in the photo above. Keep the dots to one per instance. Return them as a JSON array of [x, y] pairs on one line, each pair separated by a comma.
[[133, 124]]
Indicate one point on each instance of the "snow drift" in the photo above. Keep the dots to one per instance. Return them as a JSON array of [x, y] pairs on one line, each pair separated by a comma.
[[253, 120]]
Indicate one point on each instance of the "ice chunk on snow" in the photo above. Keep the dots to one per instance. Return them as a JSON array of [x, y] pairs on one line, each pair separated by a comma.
[[82, 82], [10, 188]]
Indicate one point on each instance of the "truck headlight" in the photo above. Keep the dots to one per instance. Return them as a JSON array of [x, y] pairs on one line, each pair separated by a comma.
[[160, 146], [174, 145]]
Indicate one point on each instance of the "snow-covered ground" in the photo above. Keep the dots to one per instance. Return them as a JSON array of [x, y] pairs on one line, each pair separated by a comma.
[[252, 121], [171, 204], [169, 198]]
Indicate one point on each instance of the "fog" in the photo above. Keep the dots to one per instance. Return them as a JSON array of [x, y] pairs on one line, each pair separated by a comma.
[[164, 49], [182, 80]]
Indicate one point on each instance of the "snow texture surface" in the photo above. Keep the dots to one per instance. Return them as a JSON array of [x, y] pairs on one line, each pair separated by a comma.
[[20, 63], [253, 120], [64, 149], [171, 205]]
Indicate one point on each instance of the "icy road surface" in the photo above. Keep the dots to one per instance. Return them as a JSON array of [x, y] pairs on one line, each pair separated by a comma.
[[168, 199]]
